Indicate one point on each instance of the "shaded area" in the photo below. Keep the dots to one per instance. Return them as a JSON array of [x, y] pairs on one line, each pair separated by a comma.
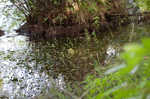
[[70, 18], [64, 60], [28, 68], [1, 33], [74, 18]]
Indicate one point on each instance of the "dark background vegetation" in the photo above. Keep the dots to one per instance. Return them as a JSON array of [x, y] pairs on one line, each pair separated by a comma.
[[90, 23]]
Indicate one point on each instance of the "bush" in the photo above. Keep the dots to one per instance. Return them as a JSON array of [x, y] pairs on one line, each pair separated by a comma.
[[143, 4], [129, 80]]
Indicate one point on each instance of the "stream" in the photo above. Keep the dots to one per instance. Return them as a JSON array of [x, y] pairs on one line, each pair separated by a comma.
[[28, 69]]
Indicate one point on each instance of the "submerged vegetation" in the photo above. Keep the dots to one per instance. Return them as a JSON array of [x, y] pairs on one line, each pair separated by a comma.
[[87, 53], [128, 80]]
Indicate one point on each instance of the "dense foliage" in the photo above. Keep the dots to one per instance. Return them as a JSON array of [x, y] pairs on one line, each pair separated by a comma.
[[129, 80], [143, 4], [56, 11]]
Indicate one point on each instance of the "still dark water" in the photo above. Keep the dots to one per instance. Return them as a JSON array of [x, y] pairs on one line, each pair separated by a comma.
[[28, 68]]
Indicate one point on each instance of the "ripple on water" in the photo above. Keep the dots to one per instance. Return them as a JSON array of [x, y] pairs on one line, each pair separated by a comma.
[[18, 80], [22, 78]]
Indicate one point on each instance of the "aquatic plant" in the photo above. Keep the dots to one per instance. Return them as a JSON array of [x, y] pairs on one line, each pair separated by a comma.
[[127, 80]]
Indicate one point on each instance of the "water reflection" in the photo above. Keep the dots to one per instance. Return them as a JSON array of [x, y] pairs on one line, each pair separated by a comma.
[[8, 17], [20, 75], [13, 43], [19, 80], [26, 68]]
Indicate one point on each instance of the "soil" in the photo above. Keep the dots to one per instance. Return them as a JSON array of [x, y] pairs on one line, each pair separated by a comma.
[[1, 33], [38, 31], [37, 27]]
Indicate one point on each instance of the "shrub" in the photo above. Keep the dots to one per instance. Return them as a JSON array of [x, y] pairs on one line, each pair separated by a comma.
[[129, 80]]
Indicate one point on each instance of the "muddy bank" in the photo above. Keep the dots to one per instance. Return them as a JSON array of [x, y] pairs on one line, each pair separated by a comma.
[[1, 33], [38, 31], [111, 23], [69, 19], [74, 18]]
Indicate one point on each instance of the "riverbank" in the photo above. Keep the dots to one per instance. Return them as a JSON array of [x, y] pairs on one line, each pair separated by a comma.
[[31, 69], [72, 19], [1, 33]]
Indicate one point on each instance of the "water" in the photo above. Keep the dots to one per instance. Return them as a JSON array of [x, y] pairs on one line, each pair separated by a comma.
[[28, 69], [20, 76]]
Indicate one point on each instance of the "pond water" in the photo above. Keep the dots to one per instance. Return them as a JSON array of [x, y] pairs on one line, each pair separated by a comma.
[[28, 68]]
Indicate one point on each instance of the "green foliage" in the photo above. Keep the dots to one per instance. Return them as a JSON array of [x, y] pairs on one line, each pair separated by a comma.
[[52, 9], [143, 4], [130, 80]]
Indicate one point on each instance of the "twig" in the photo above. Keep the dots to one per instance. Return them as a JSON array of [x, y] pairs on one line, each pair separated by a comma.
[[85, 93], [71, 94]]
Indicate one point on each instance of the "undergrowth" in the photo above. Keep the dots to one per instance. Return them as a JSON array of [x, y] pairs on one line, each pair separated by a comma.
[[129, 80]]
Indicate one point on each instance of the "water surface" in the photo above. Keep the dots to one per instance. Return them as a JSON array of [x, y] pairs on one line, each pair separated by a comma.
[[28, 68]]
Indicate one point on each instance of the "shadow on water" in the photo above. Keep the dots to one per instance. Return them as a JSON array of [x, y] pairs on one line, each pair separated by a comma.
[[28, 68]]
